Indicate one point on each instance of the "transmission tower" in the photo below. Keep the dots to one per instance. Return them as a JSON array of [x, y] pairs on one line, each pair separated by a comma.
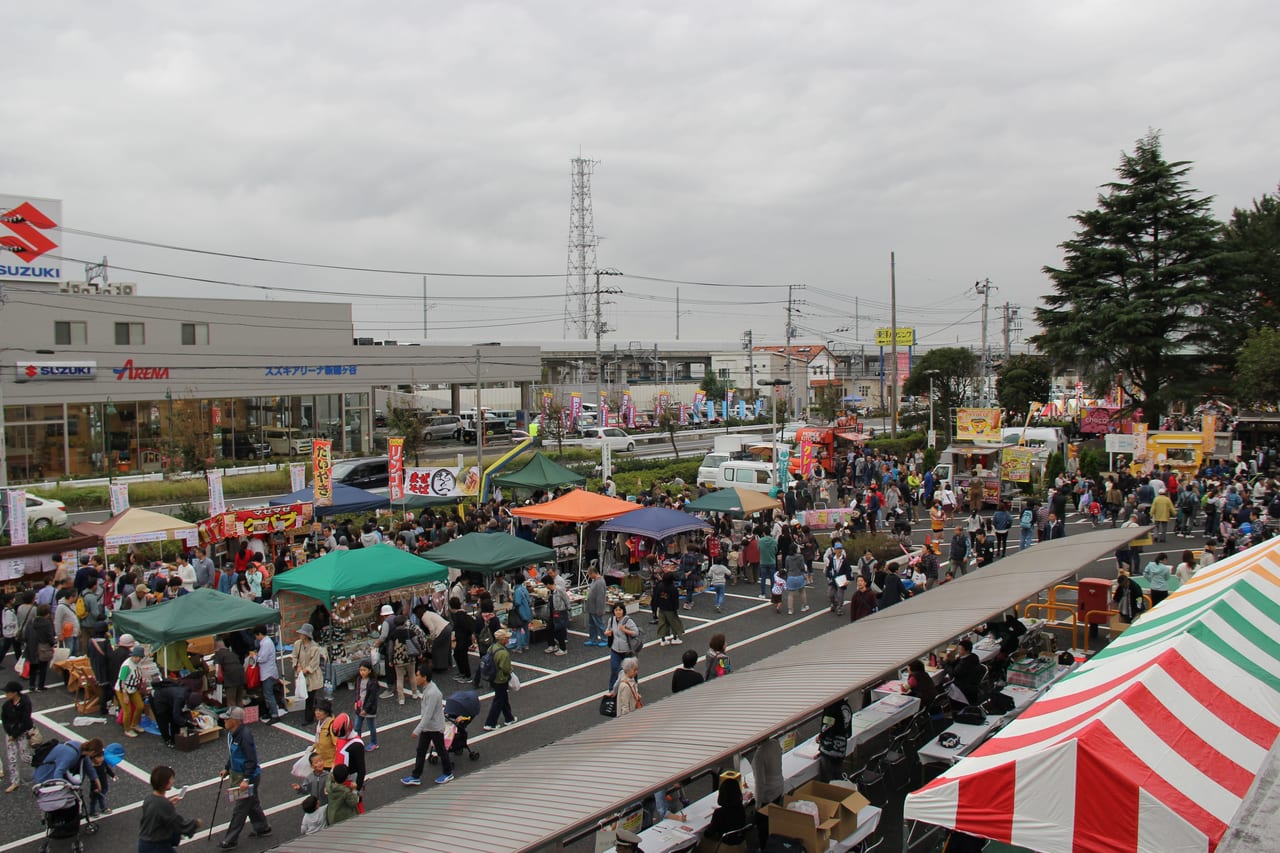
[[578, 318]]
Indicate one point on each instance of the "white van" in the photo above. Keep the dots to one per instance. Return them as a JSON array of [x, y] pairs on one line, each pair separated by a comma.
[[709, 468], [1051, 439], [286, 442], [756, 476]]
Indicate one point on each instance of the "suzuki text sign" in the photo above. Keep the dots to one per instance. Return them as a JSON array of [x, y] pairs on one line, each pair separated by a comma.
[[30, 239]]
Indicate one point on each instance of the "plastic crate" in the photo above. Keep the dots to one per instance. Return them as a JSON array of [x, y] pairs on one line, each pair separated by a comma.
[[1033, 672]]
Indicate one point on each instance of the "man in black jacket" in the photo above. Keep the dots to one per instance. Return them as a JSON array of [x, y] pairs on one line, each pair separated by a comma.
[[171, 704], [966, 671]]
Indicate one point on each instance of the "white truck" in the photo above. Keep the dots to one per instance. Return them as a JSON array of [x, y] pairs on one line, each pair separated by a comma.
[[724, 448]]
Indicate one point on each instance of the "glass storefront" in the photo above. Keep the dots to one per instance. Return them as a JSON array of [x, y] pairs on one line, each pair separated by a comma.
[[177, 433]]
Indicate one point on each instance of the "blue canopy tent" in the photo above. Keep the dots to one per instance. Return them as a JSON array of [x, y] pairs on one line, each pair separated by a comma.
[[655, 523], [345, 499]]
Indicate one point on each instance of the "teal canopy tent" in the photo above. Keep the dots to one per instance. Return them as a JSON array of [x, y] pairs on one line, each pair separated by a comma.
[[197, 614], [362, 571], [490, 552], [541, 472]]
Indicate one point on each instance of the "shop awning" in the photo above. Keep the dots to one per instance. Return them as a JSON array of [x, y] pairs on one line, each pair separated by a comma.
[[198, 614], [655, 522], [540, 472], [733, 500], [1151, 745], [345, 499], [489, 553], [850, 435], [361, 571], [644, 755], [136, 525], [577, 505]]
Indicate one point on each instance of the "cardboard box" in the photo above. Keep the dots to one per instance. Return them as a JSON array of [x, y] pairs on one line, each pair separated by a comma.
[[847, 802], [816, 839], [185, 742]]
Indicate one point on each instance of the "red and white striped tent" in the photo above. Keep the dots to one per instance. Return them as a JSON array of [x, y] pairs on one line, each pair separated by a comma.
[[1150, 746]]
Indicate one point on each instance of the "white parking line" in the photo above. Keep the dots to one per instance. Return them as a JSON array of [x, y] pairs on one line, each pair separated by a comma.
[[70, 734]]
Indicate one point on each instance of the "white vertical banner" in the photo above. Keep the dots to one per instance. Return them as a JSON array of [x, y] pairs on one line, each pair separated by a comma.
[[17, 516], [297, 476], [119, 498], [606, 459], [217, 504]]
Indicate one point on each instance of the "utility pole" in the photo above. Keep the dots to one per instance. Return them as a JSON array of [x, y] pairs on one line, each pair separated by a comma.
[[677, 313], [984, 289], [789, 329], [600, 330], [893, 331], [1011, 326], [479, 423], [748, 345]]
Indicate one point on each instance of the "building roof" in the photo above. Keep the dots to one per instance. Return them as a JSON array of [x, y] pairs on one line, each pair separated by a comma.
[[799, 352]]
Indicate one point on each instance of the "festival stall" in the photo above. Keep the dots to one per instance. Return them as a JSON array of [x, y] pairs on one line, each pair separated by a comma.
[[540, 472], [577, 506], [1151, 745], [289, 523], [137, 526], [346, 499], [351, 587], [489, 553], [655, 523]]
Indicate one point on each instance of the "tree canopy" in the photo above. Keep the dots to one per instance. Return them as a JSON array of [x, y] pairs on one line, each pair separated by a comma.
[[1249, 273], [1132, 302], [1023, 379], [955, 375], [1258, 369]]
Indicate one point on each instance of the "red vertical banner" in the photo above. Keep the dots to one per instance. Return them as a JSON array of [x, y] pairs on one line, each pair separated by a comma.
[[322, 471], [546, 407], [684, 415], [604, 413], [395, 468]]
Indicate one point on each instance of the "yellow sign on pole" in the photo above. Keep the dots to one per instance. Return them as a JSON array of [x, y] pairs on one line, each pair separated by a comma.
[[1015, 464], [906, 337]]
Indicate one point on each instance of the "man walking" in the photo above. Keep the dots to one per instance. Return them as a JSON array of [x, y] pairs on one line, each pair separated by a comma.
[[959, 551], [597, 607], [244, 773], [839, 574], [430, 730], [267, 672]]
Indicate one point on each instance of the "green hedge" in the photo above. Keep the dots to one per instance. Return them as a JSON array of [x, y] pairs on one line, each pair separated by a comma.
[[52, 533], [904, 444], [151, 493], [628, 481]]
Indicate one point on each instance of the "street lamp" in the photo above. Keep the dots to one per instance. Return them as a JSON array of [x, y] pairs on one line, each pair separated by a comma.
[[773, 420], [931, 374]]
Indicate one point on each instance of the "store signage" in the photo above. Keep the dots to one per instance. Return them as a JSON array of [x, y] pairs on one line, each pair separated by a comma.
[[322, 471], [128, 371], [1101, 419], [906, 337], [978, 424], [17, 516], [395, 468], [297, 476], [50, 371], [29, 231], [442, 482], [217, 503], [255, 522], [311, 370], [119, 497], [1015, 464]]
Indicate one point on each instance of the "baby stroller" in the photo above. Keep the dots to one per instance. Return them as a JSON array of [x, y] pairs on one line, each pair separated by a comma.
[[61, 807], [459, 710]]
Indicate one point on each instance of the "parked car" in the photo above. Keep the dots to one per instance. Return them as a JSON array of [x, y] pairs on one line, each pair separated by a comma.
[[287, 442], [617, 438], [246, 446], [369, 472], [41, 513], [493, 425], [442, 427]]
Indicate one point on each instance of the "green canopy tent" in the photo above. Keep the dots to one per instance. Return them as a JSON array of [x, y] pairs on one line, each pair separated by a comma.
[[341, 574], [541, 472], [490, 552], [197, 614]]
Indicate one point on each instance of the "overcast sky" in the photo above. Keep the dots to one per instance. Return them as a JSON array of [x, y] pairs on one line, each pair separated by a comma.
[[739, 142]]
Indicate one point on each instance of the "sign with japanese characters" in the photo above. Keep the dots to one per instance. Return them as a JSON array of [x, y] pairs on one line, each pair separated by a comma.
[[316, 370], [442, 482], [217, 504], [17, 516], [322, 471], [395, 468]]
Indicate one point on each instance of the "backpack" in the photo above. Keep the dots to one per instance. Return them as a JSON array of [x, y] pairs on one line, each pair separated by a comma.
[[636, 643], [488, 667], [40, 755], [82, 611], [1027, 518], [416, 643], [837, 728]]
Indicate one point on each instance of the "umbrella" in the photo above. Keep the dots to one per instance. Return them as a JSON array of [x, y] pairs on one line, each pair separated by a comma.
[[734, 500], [654, 522]]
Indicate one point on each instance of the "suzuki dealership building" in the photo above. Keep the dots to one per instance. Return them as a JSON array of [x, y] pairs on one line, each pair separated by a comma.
[[95, 379]]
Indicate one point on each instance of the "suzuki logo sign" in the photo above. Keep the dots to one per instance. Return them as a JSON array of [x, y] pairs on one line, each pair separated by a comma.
[[46, 371], [29, 231]]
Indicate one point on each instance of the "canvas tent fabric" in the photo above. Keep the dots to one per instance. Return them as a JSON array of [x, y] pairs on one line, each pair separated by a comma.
[[137, 525], [644, 756], [489, 553], [340, 574], [540, 472], [1150, 746], [578, 505], [655, 522], [733, 500], [345, 499], [198, 614]]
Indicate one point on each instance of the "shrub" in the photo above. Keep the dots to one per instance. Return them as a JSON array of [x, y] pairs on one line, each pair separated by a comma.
[[52, 533], [904, 444], [1093, 462]]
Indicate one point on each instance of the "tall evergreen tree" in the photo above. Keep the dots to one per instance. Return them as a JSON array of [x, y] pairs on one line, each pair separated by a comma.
[[1132, 300], [1249, 274]]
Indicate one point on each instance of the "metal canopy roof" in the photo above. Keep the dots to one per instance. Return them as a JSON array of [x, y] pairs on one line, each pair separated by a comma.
[[643, 757]]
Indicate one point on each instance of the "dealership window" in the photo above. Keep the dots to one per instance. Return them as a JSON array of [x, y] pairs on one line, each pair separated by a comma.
[[195, 334], [70, 333], [723, 373], [130, 334]]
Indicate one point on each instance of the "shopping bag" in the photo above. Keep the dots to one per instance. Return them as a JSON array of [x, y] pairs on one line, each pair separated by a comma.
[[513, 684], [252, 677], [608, 705], [300, 686], [301, 768], [23, 667]]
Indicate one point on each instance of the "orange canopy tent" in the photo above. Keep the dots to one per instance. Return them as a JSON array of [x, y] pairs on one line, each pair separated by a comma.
[[578, 505]]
